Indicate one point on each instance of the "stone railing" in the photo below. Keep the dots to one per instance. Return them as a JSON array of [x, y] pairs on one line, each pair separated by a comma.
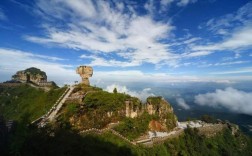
[[43, 117], [158, 140], [152, 141], [10, 84], [101, 131]]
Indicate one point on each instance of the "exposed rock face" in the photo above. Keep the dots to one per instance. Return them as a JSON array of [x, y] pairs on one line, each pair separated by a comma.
[[85, 72], [156, 126], [131, 110], [154, 106], [157, 105], [76, 97], [30, 75]]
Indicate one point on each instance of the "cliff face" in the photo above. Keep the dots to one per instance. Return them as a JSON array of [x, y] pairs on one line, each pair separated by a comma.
[[156, 106], [30, 75]]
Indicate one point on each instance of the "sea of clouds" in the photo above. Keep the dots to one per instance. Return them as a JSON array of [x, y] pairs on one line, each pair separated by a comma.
[[230, 98]]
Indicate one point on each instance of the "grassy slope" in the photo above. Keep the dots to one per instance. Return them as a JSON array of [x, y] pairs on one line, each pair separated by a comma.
[[16, 102]]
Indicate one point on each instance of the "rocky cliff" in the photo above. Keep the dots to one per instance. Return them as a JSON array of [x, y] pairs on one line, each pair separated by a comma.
[[166, 119], [30, 75]]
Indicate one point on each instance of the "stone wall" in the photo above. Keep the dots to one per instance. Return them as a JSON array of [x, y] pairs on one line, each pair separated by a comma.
[[10, 84], [210, 130]]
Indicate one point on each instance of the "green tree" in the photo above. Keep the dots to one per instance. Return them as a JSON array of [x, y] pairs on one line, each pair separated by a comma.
[[115, 90]]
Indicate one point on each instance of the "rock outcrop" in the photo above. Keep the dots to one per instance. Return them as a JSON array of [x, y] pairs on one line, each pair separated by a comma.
[[156, 106], [33, 75], [132, 108], [156, 126], [85, 72]]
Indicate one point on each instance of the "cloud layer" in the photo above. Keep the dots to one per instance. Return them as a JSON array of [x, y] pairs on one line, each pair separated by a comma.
[[142, 95], [13, 60], [181, 102], [232, 99], [105, 27]]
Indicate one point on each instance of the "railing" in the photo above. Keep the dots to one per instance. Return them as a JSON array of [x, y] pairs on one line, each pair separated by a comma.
[[101, 131], [45, 116]]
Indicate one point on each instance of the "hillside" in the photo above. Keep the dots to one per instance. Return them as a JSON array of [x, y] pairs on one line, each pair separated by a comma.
[[24, 100], [91, 107]]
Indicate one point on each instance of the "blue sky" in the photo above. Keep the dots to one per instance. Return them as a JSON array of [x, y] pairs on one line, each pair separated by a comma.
[[128, 41]]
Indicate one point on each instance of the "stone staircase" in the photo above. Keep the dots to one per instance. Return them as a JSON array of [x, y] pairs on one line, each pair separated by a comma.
[[51, 114]]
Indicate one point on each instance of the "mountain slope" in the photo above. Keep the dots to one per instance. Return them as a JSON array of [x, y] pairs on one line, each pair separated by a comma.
[[17, 101]]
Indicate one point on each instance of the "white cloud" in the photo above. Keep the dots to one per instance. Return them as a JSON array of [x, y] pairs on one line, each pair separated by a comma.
[[234, 29], [102, 78], [12, 60], [61, 73], [142, 95], [236, 71], [185, 2], [191, 40], [180, 3], [224, 63], [133, 76], [99, 61], [238, 40], [232, 99], [181, 102], [166, 2], [222, 24], [98, 27], [197, 54], [2, 15]]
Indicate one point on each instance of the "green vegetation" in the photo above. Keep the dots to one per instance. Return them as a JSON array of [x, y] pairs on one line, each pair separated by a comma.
[[208, 119], [115, 90], [25, 103], [66, 142], [155, 100], [171, 121], [61, 141], [191, 143], [105, 101], [24, 99], [99, 108], [161, 105], [35, 71], [85, 88], [133, 128]]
